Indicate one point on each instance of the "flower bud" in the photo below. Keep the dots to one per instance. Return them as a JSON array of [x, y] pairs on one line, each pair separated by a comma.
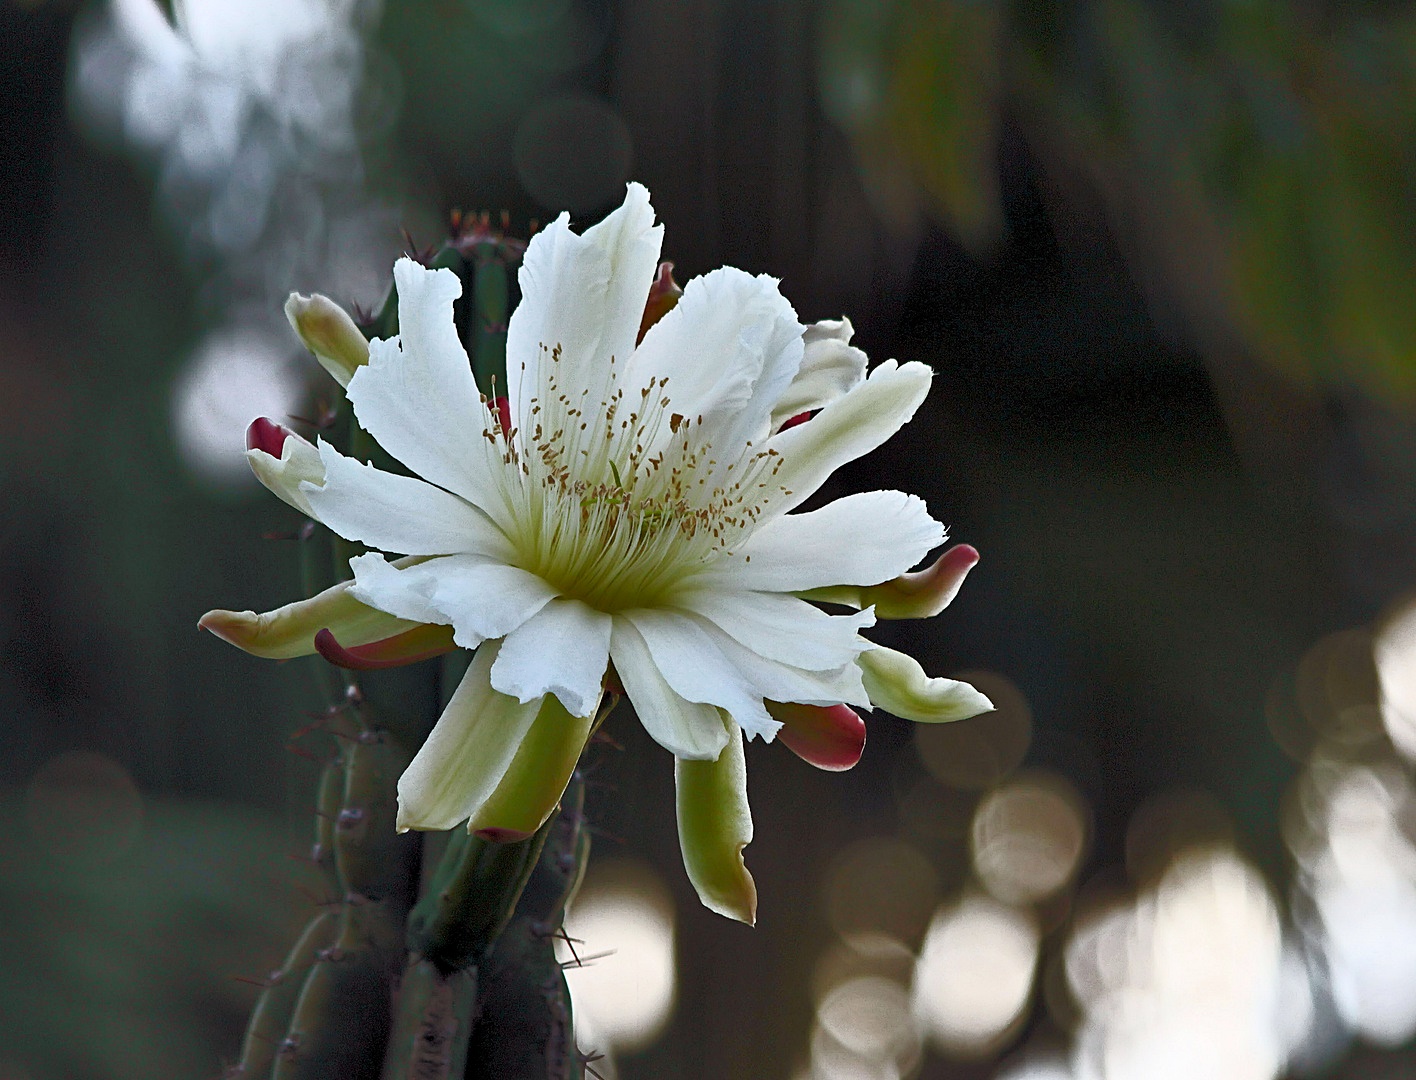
[[329, 333]]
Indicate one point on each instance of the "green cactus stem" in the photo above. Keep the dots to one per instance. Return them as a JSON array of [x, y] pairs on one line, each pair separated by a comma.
[[329, 798], [455, 924], [433, 1025], [340, 1023], [372, 858], [317, 573], [270, 1020], [524, 1024], [491, 292]]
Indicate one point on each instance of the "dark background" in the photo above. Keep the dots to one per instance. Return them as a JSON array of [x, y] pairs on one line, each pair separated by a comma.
[[1159, 256]]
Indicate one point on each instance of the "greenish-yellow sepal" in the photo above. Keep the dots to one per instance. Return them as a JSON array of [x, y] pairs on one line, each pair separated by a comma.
[[897, 684]]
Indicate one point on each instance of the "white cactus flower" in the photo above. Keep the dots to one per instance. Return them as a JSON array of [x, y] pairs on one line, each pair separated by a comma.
[[629, 520]]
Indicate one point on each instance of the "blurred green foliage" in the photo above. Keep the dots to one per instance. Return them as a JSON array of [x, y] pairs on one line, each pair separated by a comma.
[[1257, 157], [124, 963]]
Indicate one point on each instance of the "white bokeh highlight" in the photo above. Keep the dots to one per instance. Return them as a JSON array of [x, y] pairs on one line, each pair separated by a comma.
[[622, 927], [233, 377], [1395, 653], [975, 974], [1359, 868], [1185, 982]]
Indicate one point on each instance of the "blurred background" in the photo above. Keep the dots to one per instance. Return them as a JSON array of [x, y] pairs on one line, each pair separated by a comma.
[[1162, 257]]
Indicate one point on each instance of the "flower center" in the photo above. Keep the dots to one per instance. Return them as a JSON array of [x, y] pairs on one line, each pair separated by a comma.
[[622, 501]]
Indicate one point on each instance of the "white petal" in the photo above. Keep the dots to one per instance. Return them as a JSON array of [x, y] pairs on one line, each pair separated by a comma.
[[684, 728], [729, 349], [481, 598], [299, 462], [846, 429], [698, 671], [828, 330], [563, 650], [398, 513], [784, 628], [386, 587], [585, 294], [417, 397], [830, 368], [897, 684], [466, 754], [776, 681], [862, 539]]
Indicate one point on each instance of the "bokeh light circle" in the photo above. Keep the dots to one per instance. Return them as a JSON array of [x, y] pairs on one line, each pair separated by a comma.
[[881, 885], [870, 1017], [975, 754], [1028, 838], [975, 975], [235, 377], [624, 983], [573, 153], [85, 806]]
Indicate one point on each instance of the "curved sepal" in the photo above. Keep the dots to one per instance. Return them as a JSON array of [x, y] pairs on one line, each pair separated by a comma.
[[466, 756], [897, 684], [531, 788], [281, 460], [831, 737], [290, 631], [830, 368], [423, 642], [664, 294], [714, 825], [920, 595]]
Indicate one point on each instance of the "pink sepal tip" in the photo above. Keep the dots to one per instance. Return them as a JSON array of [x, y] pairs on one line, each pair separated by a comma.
[[409, 647], [831, 737], [502, 406], [266, 435]]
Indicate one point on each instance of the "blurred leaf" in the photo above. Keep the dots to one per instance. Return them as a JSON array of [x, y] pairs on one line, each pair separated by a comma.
[[943, 110], [1262, 163]]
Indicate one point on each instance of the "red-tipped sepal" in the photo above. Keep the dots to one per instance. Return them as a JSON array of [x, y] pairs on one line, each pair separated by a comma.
[[409, 647], [266, 435], [920, 595], [501, 409], [282, 461], [933, 589], [831, 737]]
